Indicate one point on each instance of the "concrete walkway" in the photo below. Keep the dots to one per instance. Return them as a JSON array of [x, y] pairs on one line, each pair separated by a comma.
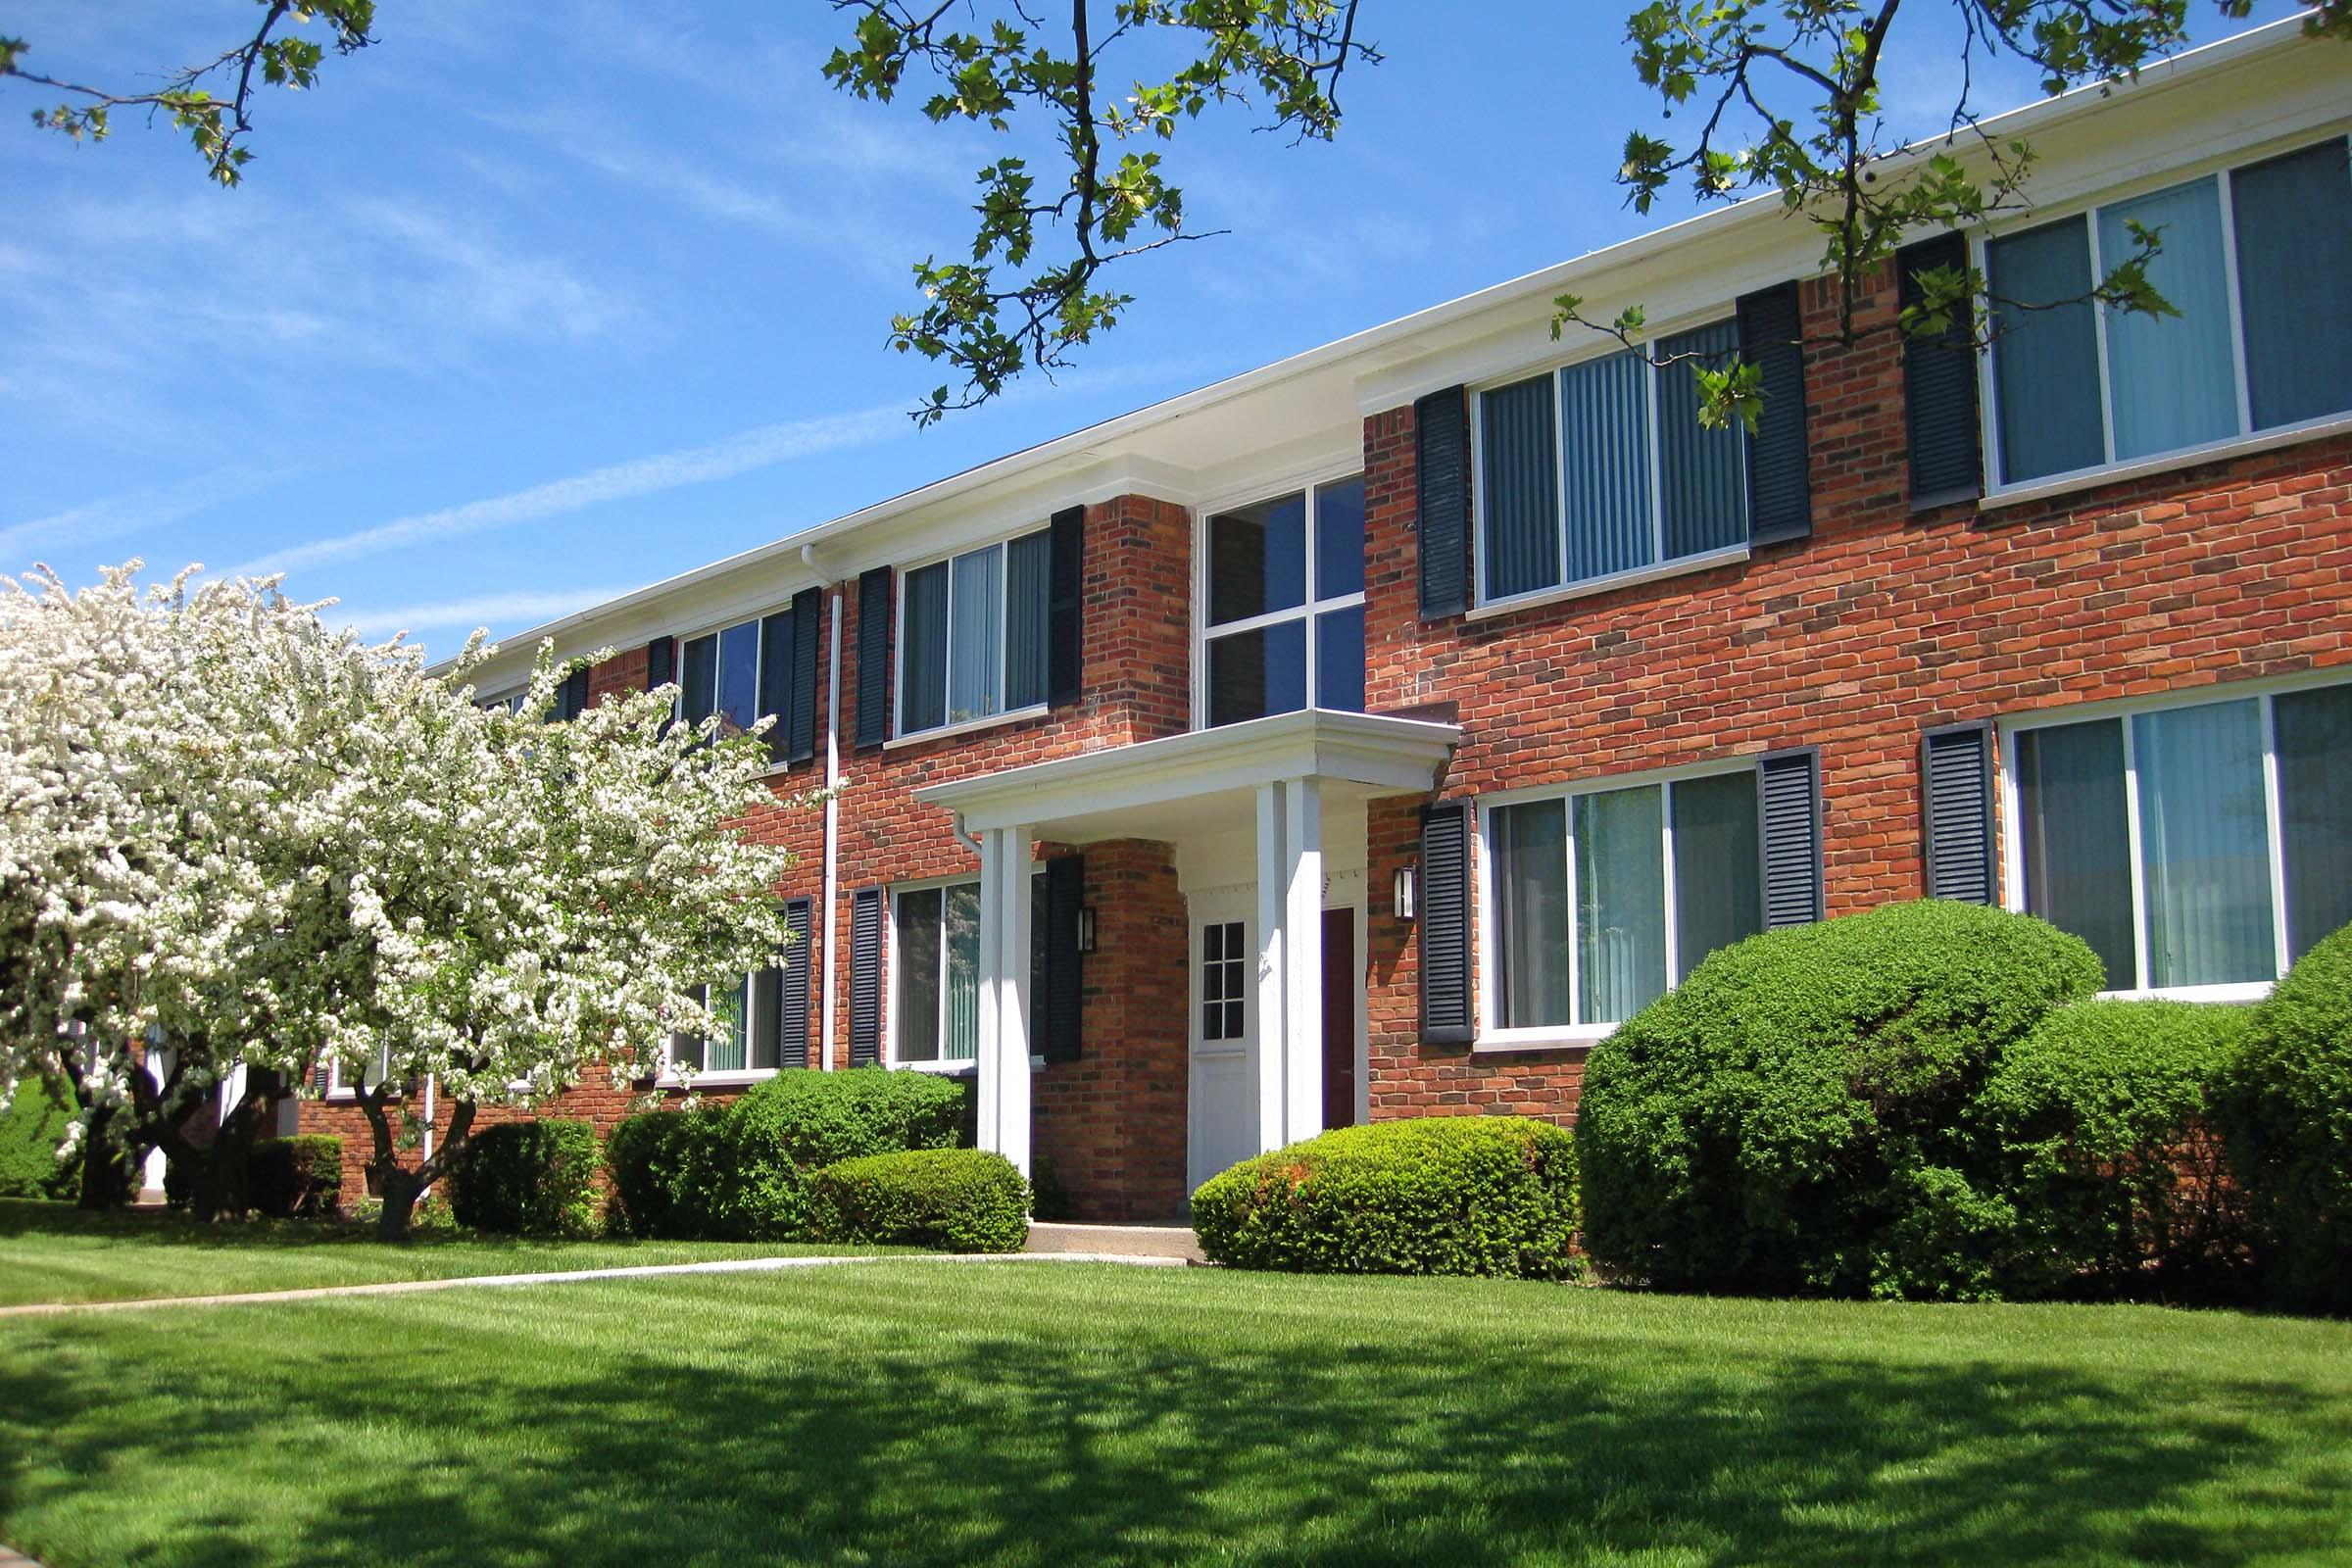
[[724, 1266]]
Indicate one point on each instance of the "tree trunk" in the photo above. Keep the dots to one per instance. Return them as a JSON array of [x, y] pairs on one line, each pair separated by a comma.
[[105, 1166], [400, 1188]]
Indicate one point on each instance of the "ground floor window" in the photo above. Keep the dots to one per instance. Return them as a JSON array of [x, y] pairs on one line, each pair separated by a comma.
[[2192, 844], [936, 959], [1601, 899], [744, 1043]]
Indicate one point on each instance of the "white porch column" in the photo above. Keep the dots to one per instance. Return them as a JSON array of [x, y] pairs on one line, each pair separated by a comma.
[[1004, 938], [1302, 960], [1273, 985]]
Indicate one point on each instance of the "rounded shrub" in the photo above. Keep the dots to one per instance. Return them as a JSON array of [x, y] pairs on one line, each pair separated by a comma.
[[644, 1155], [2098, 1124], [296, 1178], [31, 1130], [706, 1174], [2285, 1108], [960, 1199], [1791, 1117], [528, 1178], [1439, 1194], [816, 1119]]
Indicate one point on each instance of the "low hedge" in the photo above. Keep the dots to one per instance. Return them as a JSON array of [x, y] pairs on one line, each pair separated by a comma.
[[297, 1178], [1794, 1117], [527, 1178], [1487, 1195], [2285, 1108], [31, 1130], [644, 1155], [818, 1118], [960, 1200], [2098, 1126]]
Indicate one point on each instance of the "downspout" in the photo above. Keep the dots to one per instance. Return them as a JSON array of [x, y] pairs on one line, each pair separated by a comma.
[[826, 894], [962, 837], [430, 1084]]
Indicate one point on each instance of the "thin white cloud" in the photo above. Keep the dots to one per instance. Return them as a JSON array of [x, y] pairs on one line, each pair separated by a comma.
[[526, 607], [115, 515]]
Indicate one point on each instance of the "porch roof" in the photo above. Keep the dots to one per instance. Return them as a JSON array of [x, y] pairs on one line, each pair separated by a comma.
[[1202, 781]]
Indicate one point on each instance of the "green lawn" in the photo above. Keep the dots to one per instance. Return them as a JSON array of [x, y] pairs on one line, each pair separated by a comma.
[[1059, 1414], [54, 1253]]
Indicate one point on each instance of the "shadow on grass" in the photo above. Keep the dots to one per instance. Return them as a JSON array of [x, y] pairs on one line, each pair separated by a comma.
[[1004, 1449]]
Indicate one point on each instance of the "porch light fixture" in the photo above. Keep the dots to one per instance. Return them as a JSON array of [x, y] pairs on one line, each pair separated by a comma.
[[1085, 929], [1405, 891]]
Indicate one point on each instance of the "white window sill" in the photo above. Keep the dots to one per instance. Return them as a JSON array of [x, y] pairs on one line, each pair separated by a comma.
[[716, 1080], [2164, 463], [2241, 991], [1505, 1042], [922, 736], [1732, 554], [955, 1069]]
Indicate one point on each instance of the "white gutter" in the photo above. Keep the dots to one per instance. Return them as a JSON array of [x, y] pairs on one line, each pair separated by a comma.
[[826, 895]]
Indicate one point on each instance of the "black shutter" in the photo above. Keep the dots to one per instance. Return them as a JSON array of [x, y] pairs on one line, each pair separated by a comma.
[[1065, 657], [808, 611], [1065, 995], [873, 656], [776, 642], [1939, 385], [792, 1012], [866, 977], [1446, 925], [661, 661], [1441, 460], [1789, 800], [322, 1078], [1780, 491], [571, 699], [1955, 783]]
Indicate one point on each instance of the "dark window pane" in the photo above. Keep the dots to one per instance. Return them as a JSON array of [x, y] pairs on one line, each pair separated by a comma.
[[1339, 660], [1702, 473], [687, 1053], [1257, 560], [2076, 839], [1028, 594], [2046, 363], [1339, 539], [916, 1022], [923, 666], [1530, 846], [1604, 431], [1253, 673], [1519, 542], [1718, 867], [2294, 278], [2315, 802], [699, 681], [739, 676]]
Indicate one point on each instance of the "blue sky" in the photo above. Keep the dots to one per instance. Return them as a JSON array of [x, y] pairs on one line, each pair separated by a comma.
[[532, 303]]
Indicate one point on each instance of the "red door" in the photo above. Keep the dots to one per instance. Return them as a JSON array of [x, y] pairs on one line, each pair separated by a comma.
[[1341, 973]]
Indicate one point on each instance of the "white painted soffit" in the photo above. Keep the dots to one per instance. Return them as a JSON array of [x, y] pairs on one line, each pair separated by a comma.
[[1121, 791]]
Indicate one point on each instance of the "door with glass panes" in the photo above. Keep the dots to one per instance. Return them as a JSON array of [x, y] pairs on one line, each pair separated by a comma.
[[1223, 1080]]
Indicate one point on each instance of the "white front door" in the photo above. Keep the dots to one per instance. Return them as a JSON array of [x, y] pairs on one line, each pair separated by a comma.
[[1224, 1046]]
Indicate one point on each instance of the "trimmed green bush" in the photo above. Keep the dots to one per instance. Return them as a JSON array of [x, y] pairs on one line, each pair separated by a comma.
[[527, 1178], [2098, 1124], [1793, 1119], [645, 1156], [31, 1130], [960, 1199], [2285, 1108], [707, 1174], [818, 1118], [1439, 1195], [297, 1178]]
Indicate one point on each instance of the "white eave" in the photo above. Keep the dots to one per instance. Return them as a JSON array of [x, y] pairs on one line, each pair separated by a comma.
[[1203, 780]]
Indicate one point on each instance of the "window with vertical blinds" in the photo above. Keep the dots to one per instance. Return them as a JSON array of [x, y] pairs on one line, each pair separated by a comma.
[[974, 633]]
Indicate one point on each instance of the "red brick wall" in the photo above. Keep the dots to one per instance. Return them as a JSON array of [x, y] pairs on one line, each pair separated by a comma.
[[1882, 624]]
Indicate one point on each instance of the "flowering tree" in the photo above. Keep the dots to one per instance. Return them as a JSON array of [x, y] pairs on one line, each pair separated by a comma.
[[226, 826]]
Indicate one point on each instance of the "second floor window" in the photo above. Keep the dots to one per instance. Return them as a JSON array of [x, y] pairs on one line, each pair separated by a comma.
[[720, 674], [1283, 623], [1601, 469], [2258, 263], [973, 633]]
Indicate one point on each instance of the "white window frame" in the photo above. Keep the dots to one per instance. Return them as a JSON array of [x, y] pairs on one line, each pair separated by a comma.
[[2122, 711], [1658, 567], [2244, 439], [891, 1056], [509, 700], [672, 1078], [1311, 607], [336, 1089], [1541, 1037], [898, 653]]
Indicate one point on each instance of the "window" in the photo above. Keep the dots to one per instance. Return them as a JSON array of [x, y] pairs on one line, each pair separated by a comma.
[[505, 701], [750, 1039], [1601, 469], [376, 1073], [936, 961], [2204, 843], [1224, 978], [973, 634], [2257, 259], [1282, 625], [1600, 899], [720, 674]]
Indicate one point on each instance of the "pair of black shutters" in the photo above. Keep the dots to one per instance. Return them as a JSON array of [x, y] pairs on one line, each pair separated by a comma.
[[788, 671], [1065, 610], [1054, 1014], [1788, 809], [1780, 493]]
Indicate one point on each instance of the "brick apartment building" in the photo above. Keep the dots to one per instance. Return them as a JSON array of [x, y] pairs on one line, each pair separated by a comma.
[[1365, 735]]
